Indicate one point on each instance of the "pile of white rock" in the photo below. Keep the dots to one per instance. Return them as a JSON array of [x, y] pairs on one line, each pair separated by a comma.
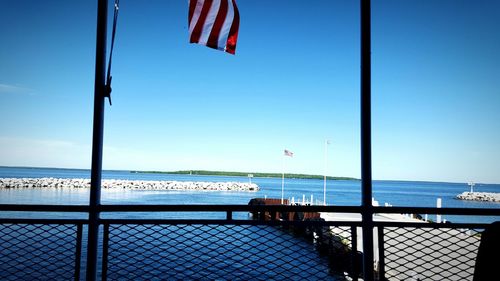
[[480, 196], [126, 184]]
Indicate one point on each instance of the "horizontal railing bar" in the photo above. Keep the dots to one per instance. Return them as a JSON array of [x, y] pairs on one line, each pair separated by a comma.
[[286, 208], [225, 208], [243, 222], [177, 221], [44, 221], [180, 221], [248, 208], [430, 225], [44, 208], [229, 222], [248, 222], [440, 211]]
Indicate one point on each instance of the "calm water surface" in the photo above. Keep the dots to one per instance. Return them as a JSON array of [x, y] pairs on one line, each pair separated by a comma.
[[342, 193]]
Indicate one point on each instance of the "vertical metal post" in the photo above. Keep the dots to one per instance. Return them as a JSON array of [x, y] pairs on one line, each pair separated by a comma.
[[97, 139], [366, 160], [78, 251], [354, 253], [381, 254], [105, 252]]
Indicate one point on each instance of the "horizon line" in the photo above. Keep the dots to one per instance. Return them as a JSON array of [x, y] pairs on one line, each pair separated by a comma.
[[173, 172]]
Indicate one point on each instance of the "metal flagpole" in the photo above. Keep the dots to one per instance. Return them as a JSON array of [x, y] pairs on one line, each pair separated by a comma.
[[282, 178], [366, 161], [97, 139], [324, 179]]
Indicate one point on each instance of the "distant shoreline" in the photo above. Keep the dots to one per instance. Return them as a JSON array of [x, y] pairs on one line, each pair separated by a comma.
[[242, 174], [265, 175]]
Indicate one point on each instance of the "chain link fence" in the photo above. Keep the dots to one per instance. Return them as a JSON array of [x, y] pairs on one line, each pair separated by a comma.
[[423, 253], [214, 252], [174, 249], [40, 251]]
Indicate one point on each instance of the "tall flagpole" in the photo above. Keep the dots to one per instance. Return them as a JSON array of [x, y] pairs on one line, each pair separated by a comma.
[[282, 178], [324, 180], [285, 153], [97, 139]]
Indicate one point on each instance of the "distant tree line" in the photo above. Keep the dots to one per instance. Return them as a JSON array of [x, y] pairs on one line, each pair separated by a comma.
[[244, 174]]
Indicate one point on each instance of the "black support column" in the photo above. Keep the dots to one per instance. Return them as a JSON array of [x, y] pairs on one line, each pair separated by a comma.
[[97, 140], [366, 153]]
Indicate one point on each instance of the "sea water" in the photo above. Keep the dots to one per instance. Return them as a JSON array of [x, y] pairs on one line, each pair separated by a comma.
[[338, 192]]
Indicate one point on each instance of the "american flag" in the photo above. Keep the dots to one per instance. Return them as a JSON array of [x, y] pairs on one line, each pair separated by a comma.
[[288, 153], [214, 23]]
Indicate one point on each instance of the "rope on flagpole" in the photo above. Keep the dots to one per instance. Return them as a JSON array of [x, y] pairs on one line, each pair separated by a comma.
[[107, 93]]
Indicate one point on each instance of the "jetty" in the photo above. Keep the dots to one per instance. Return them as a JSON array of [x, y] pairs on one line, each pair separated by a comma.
[[12, 183], [479, 196]]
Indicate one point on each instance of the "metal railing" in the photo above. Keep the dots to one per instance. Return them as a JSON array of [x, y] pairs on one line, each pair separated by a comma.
[[32, 249], [427, 252], [229, 246]]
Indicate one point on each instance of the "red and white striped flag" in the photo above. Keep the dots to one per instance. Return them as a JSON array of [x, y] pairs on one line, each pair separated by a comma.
[[214, 23], [288, 153]]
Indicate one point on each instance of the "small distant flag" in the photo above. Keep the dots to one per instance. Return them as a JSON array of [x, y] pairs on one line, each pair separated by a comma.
[[288, 153], [214, 23]]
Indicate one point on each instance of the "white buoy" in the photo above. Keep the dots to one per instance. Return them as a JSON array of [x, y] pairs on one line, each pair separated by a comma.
[[303, 199]]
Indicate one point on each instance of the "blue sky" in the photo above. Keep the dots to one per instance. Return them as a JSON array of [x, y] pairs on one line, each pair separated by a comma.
[[293, 83]]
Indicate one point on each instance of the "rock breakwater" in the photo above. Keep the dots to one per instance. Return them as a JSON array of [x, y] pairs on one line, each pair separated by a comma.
[[480, 196], [127, 184]]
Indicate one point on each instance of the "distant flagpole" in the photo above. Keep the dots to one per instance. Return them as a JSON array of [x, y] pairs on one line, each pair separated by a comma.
[[282, 178], [327, 142], [290, 154]]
